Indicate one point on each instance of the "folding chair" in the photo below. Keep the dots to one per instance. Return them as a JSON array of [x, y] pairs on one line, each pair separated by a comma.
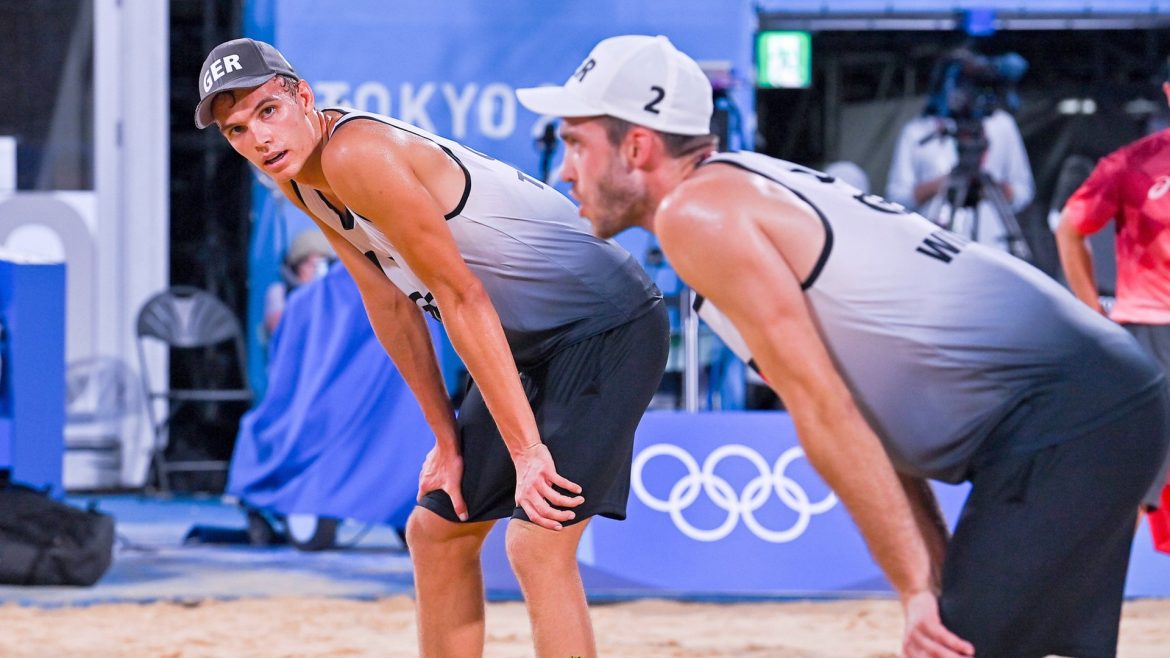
[[186, 318], [104, 416]]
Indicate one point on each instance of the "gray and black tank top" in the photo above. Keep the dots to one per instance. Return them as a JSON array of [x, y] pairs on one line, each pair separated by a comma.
[[955, 353], [552, 281]]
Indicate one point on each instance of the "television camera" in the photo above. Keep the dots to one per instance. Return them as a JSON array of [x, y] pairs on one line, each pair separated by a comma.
[[969, 88]]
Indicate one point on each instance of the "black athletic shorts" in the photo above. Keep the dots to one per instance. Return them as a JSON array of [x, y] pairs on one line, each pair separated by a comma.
[[588, 399], [1038, 560]]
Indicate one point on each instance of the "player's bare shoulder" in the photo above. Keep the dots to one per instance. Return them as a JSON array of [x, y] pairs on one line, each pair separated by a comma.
[[721, 194], [379, 158], [721, 201], [356, 145], [699, 203]]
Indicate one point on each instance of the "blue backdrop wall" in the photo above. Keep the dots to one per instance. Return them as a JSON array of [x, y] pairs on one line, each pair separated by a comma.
[[451, 67], [722, 503]]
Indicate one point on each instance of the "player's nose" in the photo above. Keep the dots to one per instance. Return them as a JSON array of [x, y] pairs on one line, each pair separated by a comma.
[[568, 171]]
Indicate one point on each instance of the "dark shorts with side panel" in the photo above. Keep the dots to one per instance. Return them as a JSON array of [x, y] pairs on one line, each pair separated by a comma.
[[1038, 560], [588, 399]]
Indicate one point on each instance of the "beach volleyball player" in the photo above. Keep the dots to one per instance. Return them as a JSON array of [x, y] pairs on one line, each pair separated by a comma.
[[903, 353]]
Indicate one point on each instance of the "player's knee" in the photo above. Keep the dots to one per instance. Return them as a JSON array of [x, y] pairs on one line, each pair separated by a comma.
[[437, 542], [529, 546], [427, 531], [417, 534]]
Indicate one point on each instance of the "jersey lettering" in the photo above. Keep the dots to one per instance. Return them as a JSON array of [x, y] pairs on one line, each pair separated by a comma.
[[528, 179], [426, 303], [942, 246], [824, 178], [880, 204], [373, 258], [872, 201]]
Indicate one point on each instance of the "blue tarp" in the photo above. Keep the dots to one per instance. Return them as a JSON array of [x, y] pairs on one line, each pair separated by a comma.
[[338, 432]]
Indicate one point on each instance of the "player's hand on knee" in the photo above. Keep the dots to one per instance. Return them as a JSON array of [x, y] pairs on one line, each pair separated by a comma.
[[443, 470], [536, 479], [925, 636]]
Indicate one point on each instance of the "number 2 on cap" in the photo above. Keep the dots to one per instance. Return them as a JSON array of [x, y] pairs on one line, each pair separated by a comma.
[[652, 106]]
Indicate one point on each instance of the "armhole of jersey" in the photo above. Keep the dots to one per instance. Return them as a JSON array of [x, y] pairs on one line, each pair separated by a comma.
[[346, 218], [297, 189], [466, 174], [466, 183], [828, 246], [751, 360]]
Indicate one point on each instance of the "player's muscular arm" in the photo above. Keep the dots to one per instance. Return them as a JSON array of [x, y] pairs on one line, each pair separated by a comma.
[[731, 262], [377, 180], [722, 252], [384, 177], [401, 330]]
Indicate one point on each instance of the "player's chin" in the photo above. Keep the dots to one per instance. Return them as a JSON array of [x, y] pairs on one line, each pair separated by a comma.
[[597, 226], [604, 230]]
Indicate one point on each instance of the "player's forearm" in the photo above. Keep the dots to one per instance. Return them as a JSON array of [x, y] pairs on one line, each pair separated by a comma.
[[883, 516], [837, 440], [1077, 263], [850, 458], [930, 522], [476, 334], [404, 335]]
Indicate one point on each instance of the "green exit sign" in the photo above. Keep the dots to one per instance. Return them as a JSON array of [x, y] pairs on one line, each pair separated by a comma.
[[783, 60]]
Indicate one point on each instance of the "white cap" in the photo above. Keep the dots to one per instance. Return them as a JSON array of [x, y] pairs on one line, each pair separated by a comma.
[[641, 79]]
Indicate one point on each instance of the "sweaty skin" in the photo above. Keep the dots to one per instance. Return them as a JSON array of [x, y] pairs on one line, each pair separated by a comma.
[[745, 244], [404, 185]]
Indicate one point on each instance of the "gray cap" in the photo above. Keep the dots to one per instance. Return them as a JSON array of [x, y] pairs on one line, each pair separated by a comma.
[[237, 64]]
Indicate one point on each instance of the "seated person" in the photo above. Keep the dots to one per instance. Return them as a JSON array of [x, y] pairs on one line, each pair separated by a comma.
[[307, 259]]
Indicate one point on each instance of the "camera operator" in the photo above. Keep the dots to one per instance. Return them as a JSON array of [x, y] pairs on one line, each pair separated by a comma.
[[965, 129]]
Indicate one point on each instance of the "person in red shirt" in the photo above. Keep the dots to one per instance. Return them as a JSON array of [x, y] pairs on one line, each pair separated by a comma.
[[1131, 187]]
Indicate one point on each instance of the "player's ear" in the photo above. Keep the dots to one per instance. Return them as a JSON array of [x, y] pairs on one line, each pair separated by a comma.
[[639, 145], [305, 95]]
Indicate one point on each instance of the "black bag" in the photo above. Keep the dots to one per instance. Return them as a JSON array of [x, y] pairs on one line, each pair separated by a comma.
[[46, 542]]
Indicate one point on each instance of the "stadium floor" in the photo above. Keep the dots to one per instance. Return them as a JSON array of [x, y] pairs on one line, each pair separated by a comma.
[[153, 562]]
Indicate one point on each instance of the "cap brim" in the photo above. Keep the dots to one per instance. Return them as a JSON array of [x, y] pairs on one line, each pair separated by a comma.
[[557, 102], [203, 116]]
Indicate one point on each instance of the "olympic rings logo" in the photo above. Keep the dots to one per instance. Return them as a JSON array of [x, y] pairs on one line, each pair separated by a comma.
[[744, 505]]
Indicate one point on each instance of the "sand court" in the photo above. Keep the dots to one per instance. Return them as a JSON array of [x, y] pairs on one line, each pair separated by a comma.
[[310, 627]]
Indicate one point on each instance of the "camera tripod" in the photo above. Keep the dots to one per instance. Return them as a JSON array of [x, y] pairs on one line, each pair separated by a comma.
[[956, 208], [956, 205]]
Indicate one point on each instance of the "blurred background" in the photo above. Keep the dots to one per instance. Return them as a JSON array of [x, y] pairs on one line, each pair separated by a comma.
[[102, 166], [156, 222]]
